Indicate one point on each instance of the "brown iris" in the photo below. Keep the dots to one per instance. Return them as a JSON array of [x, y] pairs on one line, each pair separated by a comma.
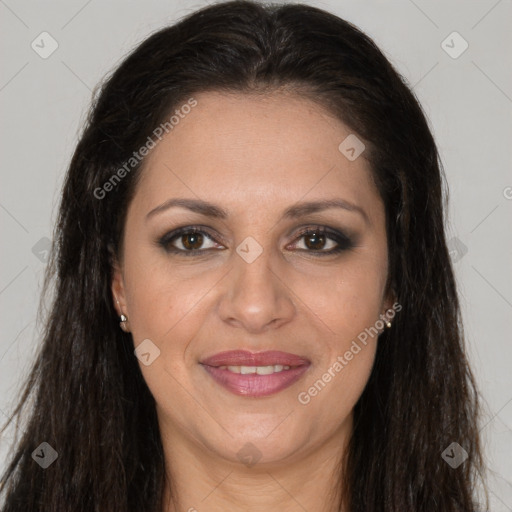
[[314, 240], [192, 240]]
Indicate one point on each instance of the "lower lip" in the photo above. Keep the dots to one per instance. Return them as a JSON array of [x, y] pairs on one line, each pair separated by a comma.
[[253, 384]]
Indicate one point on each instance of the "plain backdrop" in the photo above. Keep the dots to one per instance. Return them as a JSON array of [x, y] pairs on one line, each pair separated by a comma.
[[465, 92]]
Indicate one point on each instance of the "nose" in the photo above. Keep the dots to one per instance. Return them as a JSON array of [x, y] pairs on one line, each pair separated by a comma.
[[256, 297]]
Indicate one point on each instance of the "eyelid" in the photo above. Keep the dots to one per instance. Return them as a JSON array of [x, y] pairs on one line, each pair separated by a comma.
[[343, 241], [322, 229], [166, 239]]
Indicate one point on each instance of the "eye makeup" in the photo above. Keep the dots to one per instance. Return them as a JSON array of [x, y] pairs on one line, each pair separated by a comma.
[[193, 237]]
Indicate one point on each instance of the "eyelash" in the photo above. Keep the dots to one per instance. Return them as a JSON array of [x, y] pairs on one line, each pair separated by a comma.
[[343, 241]]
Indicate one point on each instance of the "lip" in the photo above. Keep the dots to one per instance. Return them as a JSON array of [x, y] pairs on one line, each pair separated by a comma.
[[254, 385], [246, 358]]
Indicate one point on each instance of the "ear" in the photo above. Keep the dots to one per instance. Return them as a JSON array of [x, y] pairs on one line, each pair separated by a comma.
[[118, 289], [390, 298]]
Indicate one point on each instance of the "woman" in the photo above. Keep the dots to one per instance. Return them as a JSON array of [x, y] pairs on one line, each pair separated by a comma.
[[254, 305]]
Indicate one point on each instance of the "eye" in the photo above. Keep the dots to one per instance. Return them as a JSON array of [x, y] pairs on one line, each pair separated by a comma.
[[188, 241], [195, 240], [321, 240]]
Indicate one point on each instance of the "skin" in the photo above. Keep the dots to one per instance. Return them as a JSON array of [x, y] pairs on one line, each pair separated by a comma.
[[254, 156]]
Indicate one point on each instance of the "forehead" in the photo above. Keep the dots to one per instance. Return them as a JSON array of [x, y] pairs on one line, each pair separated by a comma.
[[272, 148]]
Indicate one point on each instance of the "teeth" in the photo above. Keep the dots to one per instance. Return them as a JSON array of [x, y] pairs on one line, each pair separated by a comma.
[[265, 370], [259, 370]]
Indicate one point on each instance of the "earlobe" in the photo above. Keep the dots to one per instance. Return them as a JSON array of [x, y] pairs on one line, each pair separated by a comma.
[[390, 296], [118, 293], [390, 308]]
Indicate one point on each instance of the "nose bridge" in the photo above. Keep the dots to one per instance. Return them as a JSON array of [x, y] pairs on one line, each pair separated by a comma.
[[255, 297], [253, 276]]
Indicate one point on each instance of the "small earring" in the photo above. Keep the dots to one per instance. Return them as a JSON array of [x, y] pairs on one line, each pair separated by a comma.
[[122, 323], [388, 324]]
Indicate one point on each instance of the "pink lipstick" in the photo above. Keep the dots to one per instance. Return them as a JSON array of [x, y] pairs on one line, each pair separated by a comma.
[[255, 374]]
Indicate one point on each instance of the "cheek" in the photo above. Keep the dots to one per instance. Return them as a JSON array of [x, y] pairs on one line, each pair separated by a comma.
[[348, 297], [348, 301], [159, 293], [346, 352], [161, 302]]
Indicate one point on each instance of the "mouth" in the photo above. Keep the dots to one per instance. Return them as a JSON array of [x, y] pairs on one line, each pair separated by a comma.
[[255, 374]]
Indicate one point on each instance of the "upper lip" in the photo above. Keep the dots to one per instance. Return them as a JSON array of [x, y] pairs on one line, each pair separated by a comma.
[[247, 358]]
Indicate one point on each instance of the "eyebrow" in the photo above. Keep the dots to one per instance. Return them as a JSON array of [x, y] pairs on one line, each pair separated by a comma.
[[293, 212]]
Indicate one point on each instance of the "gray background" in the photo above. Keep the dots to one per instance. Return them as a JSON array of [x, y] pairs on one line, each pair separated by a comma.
[[468, 100]]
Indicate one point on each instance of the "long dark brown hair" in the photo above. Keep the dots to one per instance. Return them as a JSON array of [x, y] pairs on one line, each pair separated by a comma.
[[85, 395]]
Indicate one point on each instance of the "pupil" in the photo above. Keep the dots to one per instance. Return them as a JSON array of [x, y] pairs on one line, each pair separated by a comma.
[[192, 240], [317, 241]]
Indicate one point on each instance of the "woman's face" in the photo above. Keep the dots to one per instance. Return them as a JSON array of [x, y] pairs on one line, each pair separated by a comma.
[[259, 276]]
